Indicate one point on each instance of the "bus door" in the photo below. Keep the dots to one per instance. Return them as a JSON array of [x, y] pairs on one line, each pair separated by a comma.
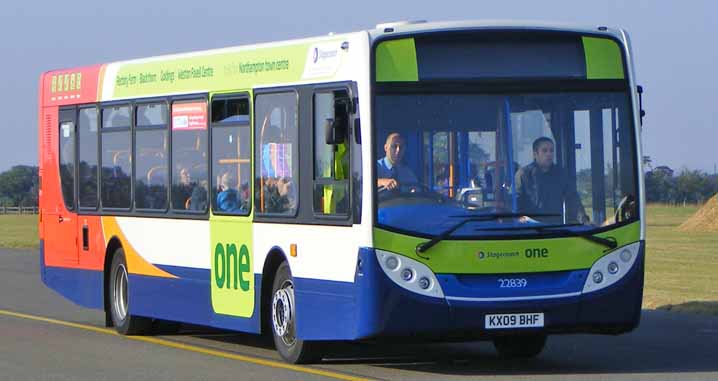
[[59, 214], [232, 272]]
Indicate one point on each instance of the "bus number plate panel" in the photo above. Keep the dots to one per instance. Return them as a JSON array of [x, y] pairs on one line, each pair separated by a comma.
[[525, 320]]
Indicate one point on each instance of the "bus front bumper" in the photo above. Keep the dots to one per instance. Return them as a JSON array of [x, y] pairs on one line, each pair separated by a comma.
[[384, 309]]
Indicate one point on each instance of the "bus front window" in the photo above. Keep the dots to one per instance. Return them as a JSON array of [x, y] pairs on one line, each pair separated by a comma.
[[518, 161]]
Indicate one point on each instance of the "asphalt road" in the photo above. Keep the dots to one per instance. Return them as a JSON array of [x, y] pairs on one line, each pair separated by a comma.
[[45, 337]]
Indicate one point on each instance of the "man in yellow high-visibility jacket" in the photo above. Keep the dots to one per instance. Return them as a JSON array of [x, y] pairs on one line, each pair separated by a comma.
[[336, 193]]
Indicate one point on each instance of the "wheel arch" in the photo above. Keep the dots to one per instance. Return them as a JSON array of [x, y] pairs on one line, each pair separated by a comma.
[[274, 259], [112, 246]]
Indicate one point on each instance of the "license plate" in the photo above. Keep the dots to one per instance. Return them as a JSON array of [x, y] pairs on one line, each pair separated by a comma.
[[527, 320]]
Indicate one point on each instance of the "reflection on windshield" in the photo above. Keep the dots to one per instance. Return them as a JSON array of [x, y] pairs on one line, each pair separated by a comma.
[[535, 159]]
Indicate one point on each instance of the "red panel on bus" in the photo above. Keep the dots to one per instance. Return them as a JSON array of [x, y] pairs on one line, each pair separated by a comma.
[[71, 86]]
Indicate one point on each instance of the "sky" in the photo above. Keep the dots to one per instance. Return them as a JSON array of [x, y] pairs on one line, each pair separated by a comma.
[[674, 49]]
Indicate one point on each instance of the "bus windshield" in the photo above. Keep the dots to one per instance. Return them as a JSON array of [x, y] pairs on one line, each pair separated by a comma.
[[512, 163]]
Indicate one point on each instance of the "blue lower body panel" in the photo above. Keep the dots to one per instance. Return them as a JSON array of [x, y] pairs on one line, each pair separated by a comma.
[[373, 306], [383, 309], [187, 299], [83, 287]]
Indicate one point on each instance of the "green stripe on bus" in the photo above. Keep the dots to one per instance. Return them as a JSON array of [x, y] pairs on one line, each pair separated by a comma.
[[211, 72], [506, 256], [396, 61], [603, 58]]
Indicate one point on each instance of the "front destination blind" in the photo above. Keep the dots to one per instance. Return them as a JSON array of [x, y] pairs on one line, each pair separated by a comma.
[[498, 55]]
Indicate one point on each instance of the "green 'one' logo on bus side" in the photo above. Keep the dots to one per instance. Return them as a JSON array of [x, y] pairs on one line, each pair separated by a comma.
[[231, 267]]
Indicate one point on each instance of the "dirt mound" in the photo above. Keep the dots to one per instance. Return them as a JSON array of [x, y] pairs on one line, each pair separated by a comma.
[[705, 219]]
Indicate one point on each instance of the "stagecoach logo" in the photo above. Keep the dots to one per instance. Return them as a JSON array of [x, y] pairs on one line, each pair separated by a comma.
[[496, 254], [323, 54], [322, 60]]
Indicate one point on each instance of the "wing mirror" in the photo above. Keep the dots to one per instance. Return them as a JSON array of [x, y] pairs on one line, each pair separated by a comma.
[[335, 130]]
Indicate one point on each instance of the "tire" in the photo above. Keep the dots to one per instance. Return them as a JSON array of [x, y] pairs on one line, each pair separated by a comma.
[[165, 327], [124, 322], [282, 321], [525, 346]]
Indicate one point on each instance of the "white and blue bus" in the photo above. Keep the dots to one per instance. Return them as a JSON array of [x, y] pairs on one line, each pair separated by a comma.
[[416, 181]]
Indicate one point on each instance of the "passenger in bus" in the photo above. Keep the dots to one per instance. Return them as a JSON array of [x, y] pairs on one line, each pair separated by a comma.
[[543, 188], [391, 173], [188, 194], [228, 198], [198, 199], [278, 195], [441, 183], [182, 189]]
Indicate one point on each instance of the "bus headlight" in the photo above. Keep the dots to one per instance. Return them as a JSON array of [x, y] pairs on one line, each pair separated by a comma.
[[607, 271], [392, 262], [597, 277], [626, 255], [409, 273]]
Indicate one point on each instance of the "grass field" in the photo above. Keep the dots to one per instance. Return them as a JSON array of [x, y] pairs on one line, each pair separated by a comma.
[[681, 268], [18, 231]]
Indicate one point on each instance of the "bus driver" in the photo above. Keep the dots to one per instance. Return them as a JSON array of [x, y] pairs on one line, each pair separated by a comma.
[[390, 171]]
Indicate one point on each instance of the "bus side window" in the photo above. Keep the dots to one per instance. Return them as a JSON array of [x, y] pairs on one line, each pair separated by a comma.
[[189, 156], [87, 157], [67, 163], [331, 161], [276, 153], [231, 163], [151, 156], [116, 158]]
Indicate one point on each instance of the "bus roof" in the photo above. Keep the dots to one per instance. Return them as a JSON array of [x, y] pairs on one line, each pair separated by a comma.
[[315, 59]]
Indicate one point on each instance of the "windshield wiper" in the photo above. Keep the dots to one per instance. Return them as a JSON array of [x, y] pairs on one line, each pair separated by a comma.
[[422, 247], [608, 242]]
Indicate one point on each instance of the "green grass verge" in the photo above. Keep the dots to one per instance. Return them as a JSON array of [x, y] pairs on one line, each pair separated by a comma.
[[19, 231], [681, 267]]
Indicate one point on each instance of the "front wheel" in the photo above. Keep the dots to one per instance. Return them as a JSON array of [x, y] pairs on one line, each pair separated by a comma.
[[523, 346], [283, 321], [124, 323]]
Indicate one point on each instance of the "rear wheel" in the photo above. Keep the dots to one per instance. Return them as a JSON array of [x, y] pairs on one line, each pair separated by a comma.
[[523, 346], [124, 323], [283, 321]]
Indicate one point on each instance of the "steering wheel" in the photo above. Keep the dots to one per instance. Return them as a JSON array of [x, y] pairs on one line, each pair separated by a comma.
[[407, 190]]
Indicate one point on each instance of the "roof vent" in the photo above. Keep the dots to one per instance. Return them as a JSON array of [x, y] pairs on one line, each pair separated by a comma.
[[391, 25]]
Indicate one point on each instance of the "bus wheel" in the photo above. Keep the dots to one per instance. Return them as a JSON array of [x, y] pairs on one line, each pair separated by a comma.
[[283, 321], [124, 323], [523, 346]]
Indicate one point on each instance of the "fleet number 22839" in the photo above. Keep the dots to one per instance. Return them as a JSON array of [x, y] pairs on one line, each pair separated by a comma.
[[512, 282]]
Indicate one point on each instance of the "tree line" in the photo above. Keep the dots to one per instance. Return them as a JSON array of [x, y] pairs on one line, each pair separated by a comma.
[[19, 186], [689, 186]]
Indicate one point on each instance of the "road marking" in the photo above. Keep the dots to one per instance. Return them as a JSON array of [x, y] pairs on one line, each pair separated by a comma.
[[191, 348]]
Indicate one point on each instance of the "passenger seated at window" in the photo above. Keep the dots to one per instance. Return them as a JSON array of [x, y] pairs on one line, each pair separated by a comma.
[[279, 195], [228, 198], [189, 194]]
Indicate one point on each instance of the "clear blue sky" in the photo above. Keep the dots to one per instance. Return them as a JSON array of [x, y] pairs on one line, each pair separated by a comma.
[[674, 48]]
